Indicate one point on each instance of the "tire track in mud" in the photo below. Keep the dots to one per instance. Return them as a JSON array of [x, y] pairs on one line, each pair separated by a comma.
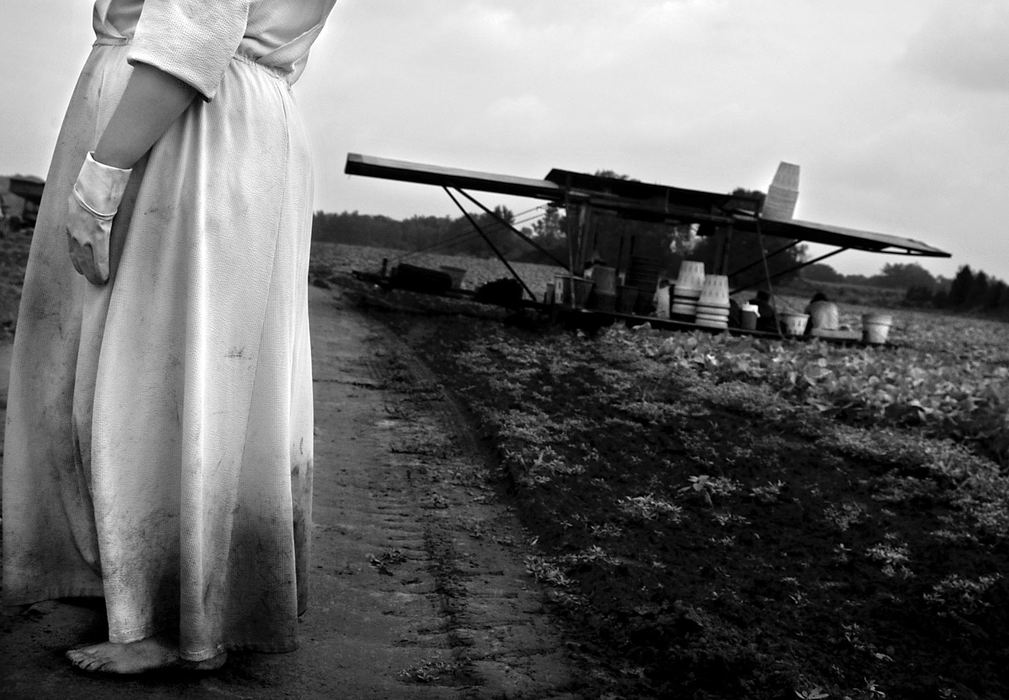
[[437, 543]]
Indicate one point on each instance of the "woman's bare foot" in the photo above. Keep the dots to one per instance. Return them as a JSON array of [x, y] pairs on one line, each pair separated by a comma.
[[151, 654]]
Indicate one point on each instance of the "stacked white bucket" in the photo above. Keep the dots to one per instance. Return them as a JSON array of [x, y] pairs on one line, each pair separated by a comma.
[[713, 304], [687, 290]]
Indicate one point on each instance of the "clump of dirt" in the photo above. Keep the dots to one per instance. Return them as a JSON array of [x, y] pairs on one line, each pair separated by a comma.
[[709, 540]]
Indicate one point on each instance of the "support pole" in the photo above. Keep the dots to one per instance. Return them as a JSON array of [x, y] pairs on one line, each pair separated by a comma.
[[726, 247], [514, 230], [772, 254], [805, 264], [767, 269], [490, 243], [572, 212]]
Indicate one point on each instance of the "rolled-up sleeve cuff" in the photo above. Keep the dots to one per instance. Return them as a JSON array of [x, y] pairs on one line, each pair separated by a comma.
[[194, 40]]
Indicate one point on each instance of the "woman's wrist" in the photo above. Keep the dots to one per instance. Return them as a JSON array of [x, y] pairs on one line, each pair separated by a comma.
[[99, 187], [108, 155]]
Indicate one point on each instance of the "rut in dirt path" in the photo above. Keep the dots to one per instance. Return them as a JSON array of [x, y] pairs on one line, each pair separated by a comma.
[[418, 588], [425, 519]]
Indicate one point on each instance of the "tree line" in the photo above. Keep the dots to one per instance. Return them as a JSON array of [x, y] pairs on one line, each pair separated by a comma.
[[969, 290], [893, 276], [441, 234]]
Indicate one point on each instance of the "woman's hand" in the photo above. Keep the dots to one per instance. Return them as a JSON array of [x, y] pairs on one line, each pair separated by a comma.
[[91, 207], [88, 238]]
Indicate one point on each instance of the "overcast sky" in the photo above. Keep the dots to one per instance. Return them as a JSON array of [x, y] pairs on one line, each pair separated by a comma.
[[897, 110]]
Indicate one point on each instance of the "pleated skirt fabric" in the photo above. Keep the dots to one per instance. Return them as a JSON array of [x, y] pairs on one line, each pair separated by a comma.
[[159, 444]]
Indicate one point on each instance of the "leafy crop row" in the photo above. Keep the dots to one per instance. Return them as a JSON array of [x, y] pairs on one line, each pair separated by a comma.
[[679, 484], [940, 383]]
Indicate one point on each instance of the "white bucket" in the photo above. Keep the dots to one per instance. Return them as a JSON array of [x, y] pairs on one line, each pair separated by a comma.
[[715, 290], [709, 314], [705, 322], [691, 275], [684, 301], [794, 324], [876, 328]]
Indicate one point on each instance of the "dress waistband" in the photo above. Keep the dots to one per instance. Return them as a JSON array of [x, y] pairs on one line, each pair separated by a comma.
[[106, 40], [251, 60]]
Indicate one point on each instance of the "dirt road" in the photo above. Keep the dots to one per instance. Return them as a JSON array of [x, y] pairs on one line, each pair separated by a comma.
[[419, 586]]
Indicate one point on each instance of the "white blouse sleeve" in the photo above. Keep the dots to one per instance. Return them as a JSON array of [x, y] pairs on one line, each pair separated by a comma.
[[194, 40]]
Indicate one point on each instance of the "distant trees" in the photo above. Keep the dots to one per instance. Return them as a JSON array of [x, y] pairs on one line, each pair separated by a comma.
[[549, 233], [976, 291], [548, 230], [380, 231], [822, 272], [463, 238], [445, 235], [905, 276], [968, 291], [960, 288]]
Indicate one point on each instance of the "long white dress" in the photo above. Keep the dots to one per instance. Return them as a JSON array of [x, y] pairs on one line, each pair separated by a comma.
[[158, 448]]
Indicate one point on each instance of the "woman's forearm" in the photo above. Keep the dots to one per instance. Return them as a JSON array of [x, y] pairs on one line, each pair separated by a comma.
[[151, 102]]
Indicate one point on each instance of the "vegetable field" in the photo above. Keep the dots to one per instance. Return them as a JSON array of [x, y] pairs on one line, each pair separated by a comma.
[[719, 517]]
